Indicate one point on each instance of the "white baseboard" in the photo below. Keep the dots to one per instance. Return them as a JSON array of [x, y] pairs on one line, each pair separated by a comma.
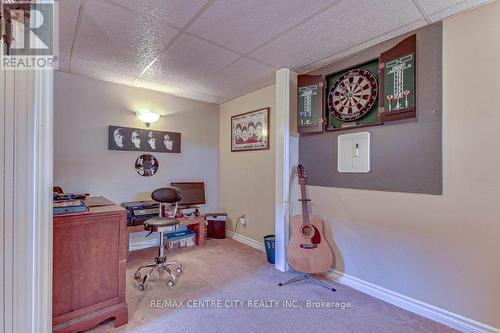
[[247, 241], [429, 311], [439, 315]]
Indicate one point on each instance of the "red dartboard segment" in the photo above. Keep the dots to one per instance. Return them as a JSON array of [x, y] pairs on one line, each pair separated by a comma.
[[352, 95]]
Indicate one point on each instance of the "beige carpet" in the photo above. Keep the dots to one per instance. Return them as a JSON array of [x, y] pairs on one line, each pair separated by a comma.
[[239, 292]]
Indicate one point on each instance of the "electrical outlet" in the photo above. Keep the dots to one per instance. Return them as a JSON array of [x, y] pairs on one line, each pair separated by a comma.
[[243, 219]]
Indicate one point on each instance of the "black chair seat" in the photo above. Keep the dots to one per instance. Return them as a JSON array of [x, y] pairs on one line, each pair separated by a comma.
[[158, 222]]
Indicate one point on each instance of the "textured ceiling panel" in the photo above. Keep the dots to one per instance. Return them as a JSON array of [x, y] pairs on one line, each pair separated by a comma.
[[68, 17], [115, 39], [359, 47], [174, 12], [440, 9], [135, 42], [187, 61], [101, 74], [239, 78], [247, 24], [177, 91], [341, 27]]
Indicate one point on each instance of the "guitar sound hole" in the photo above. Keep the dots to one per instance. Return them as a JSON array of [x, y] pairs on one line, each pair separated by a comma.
[[307, 231]]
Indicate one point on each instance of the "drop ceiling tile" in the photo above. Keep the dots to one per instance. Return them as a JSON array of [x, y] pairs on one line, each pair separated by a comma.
[[359, 47], [440, 9], [239, 78], [68, 17], [174, 12], [187, 61], [114, 39], [63, 65], [100, 74], [162, 87], [246, 24], [341, 27]]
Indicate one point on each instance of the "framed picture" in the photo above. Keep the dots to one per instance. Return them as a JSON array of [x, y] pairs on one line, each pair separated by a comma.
[[250, 131], [137, 139]]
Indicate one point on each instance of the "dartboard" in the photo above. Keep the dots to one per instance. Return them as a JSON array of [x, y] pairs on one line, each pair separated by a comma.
[[352, 95]]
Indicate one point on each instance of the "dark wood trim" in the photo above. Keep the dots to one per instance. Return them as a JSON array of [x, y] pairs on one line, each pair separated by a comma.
[[335, 129], [118, 312], [406, 46], [268, 129], [327, 93], [308, 80]]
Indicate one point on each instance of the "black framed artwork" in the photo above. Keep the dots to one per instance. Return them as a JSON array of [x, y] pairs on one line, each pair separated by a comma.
[[250, 131], [137, 139]]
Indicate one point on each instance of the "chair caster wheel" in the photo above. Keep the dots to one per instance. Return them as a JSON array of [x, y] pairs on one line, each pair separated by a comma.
[[179, 270], [170, 283], [141, 287], [137, 275]]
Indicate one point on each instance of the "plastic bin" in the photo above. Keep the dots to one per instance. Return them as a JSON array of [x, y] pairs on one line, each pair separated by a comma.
[[269, 242]]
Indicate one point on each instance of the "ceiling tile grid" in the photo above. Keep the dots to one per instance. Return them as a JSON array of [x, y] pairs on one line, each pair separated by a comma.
[[174, 12], [188, 61], [68, 17], [110, 37], [216, 50], [336, 29], [237, 77], [247, 24]]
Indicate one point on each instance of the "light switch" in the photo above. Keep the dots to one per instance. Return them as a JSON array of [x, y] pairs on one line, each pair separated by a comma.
[[354, 152]]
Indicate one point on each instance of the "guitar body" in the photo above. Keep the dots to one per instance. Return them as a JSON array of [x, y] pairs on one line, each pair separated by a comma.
[[308, 251]]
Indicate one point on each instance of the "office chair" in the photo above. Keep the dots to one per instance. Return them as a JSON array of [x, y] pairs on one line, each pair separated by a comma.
[[161, 224]]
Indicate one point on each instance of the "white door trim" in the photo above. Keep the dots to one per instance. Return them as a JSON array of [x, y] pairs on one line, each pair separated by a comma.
[[286, 157], [44, 121]]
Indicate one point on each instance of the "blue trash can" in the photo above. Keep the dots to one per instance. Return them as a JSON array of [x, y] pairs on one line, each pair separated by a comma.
[[269, 241]]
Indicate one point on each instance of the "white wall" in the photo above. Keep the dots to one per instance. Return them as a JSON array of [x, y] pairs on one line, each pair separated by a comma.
[[442, 250], [82, 163]]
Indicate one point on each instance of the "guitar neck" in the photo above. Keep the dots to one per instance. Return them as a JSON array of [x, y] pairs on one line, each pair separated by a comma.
[[304, 200]]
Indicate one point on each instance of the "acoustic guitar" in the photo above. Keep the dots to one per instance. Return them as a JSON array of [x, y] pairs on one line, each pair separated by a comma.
[[307, 251]]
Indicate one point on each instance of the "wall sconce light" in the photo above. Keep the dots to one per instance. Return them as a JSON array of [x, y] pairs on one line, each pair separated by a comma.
[[148, 117]]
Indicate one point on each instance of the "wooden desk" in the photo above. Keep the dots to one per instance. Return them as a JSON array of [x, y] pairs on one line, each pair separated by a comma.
[[196, 224], [89, 258]]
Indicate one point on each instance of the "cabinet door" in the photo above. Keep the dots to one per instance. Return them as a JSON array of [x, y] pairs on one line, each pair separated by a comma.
[[397, 94], [86, 263]]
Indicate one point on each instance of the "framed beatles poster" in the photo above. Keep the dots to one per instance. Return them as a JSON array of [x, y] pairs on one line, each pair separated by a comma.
[[250, 131], [136, 139]]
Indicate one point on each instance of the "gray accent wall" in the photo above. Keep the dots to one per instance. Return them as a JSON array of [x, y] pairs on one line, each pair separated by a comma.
[[406, 155]]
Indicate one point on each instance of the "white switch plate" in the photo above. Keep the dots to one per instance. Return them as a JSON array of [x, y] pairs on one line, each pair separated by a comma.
[[354, 152]]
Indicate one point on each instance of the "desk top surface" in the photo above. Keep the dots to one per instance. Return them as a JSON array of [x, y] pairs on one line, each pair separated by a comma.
[[96, 205]]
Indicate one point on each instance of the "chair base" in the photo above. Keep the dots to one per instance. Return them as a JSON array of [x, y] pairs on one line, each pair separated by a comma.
[[160, 263]]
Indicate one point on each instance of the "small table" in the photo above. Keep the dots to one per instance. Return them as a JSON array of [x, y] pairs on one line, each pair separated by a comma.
[[196, 224]]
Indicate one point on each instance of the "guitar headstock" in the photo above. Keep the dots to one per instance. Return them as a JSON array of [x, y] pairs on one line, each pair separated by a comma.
[[301, 173]]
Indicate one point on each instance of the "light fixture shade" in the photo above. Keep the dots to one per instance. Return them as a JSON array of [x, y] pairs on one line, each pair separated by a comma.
[[148, 117]]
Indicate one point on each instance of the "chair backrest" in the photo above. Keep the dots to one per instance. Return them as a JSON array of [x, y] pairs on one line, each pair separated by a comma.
[[167, 195]]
